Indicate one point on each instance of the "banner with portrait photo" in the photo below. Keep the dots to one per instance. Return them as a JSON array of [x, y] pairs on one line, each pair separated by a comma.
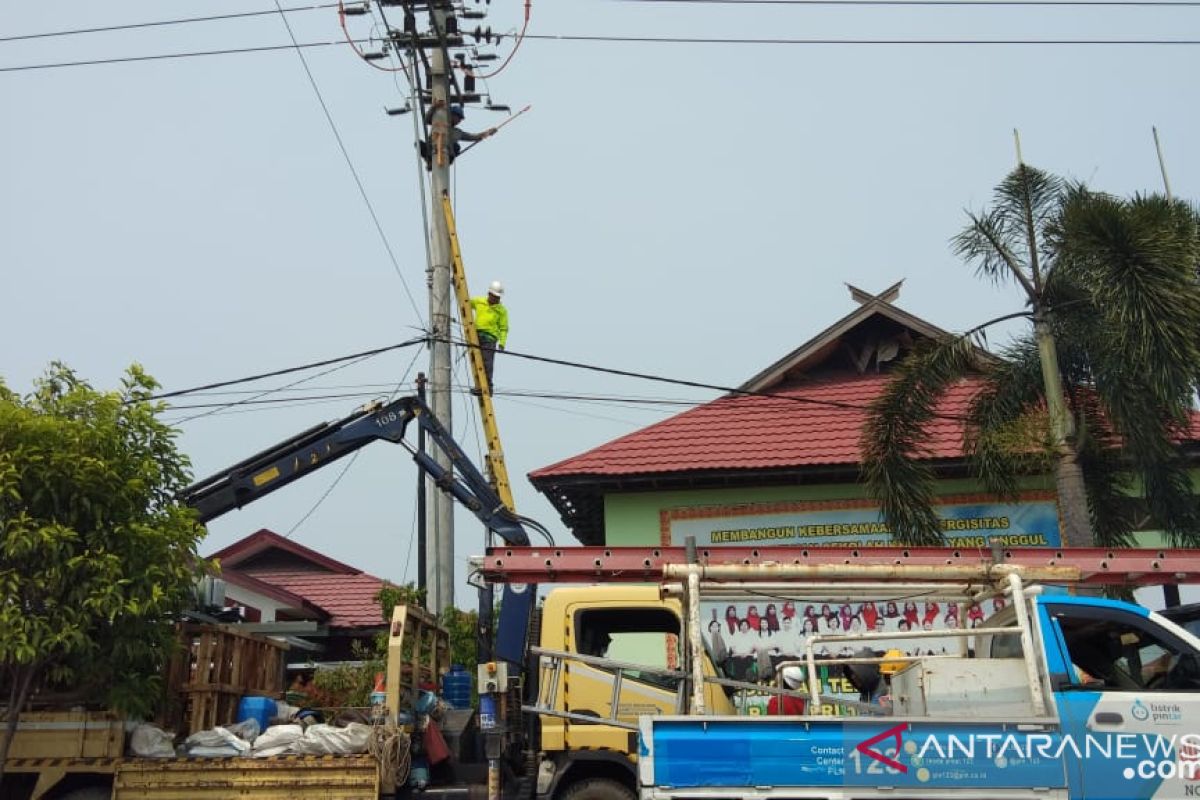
[[749, 638]]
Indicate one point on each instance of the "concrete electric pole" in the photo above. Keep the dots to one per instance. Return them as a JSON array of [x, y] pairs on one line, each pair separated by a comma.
[[440, 554]]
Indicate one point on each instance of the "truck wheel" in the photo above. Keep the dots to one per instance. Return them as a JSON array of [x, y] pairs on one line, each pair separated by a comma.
[[88, 793], [598, 789]]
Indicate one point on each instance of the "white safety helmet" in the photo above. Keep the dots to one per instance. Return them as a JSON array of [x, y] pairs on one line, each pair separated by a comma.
[[792, 677], [497, 288]]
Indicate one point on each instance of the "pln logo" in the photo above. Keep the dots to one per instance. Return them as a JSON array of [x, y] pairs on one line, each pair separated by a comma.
[[1139, 711]]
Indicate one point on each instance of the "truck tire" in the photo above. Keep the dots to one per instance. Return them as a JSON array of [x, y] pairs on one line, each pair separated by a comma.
[[598, 789], [88, 793]]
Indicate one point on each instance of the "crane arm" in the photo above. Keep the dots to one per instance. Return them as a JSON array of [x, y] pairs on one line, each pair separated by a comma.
[[293, 458]]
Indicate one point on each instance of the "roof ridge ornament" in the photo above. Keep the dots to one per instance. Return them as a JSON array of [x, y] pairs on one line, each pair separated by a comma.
[[887, 296]]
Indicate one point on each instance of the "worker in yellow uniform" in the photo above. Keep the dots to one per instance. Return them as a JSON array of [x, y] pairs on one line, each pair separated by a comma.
[[491, 323]]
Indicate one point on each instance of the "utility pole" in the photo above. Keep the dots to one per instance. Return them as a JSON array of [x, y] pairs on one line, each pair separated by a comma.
[[429, 69], [440, 555]]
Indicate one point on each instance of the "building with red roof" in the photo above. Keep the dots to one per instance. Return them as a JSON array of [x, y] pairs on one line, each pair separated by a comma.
[[276, 580], [778, 461]]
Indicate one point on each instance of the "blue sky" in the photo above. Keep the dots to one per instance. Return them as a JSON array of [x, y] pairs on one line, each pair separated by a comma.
[[689, 210]]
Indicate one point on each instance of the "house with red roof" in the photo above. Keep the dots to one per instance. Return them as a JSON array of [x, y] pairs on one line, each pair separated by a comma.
[[276, 580], [778, 461]]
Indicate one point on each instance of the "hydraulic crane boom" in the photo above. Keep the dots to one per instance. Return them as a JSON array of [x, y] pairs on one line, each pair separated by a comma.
[[293, 458]]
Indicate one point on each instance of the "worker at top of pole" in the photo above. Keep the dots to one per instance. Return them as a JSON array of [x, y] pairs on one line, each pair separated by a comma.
[[491, 323], [457, 135]]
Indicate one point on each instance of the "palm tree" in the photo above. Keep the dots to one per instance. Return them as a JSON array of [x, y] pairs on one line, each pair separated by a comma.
[[1099, 391]]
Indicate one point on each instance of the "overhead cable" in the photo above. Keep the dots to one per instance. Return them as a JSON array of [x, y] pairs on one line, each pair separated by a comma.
[[160, 23], [850, 41], [287, 370], [387, 245], [1023, 3], [644, 40], [792, 398]]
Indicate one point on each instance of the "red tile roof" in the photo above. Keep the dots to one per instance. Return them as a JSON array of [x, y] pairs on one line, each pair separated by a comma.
[[814, 423], [348, 599], [265, 561]]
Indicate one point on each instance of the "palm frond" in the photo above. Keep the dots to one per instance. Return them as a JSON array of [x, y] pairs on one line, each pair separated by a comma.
[[895, 432], [1138, 260], [1008, 433], [1106, 475], [1000, 242]]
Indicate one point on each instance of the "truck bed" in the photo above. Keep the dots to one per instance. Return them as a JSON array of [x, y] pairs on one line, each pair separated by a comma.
[[811, 757]]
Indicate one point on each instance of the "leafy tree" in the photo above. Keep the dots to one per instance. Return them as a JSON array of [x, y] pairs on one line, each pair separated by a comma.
[[1100, 390], [96, 559]]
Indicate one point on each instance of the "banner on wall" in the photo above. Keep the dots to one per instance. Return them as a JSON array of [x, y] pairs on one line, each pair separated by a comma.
[[748, 639]]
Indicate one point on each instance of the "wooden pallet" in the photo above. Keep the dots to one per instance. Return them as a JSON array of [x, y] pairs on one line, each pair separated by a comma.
[[418, 654], [214, 668]]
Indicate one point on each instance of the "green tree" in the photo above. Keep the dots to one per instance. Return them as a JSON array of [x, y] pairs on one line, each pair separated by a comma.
[[1099, 392], [96, 559]]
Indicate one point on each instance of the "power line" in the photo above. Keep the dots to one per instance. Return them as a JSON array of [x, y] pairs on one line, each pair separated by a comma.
[[266, 392], [1023, 3], [161, 56], [287, 370], [348, 465], [159, 23], [641, 40], [258, 400], [700, 385], [349, 163], [850, 41]]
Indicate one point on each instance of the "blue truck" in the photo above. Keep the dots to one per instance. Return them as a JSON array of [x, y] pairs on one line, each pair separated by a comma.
[[1057, 696]]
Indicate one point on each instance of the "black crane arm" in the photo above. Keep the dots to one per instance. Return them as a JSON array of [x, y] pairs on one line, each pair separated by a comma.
[[293, 458]]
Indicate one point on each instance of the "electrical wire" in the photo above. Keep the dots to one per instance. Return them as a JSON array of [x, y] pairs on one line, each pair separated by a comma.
[[1044, 3], [698, 384], [645, 40], [349, 163], [160, 23], [162, 56], [342, 21], [271, 391], [324, 495], [276, 400], [363, 354], [815, 41], [513, 52], [251, 409], [349, 464]]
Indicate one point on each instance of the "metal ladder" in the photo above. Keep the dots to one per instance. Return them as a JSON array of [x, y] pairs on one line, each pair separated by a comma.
[[497, 469], [552, 665]]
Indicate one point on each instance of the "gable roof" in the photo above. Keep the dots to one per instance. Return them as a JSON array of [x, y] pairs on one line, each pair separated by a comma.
[[800, 416], [264, 540], [303, 579], [825, 344]]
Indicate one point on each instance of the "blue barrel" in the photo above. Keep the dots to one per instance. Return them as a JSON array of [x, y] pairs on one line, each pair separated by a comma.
[[259, 708], [456, 687]]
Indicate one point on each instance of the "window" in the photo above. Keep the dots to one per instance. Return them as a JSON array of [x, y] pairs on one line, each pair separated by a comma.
[[633, 636], [1125, 653]]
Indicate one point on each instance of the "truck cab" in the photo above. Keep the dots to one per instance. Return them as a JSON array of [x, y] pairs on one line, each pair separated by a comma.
[[611, 626]]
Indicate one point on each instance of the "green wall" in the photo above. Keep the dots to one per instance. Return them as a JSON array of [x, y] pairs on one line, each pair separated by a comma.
[[632, 519]]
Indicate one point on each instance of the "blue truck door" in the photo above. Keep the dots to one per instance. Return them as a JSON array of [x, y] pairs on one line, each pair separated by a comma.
[[1129, 697]]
